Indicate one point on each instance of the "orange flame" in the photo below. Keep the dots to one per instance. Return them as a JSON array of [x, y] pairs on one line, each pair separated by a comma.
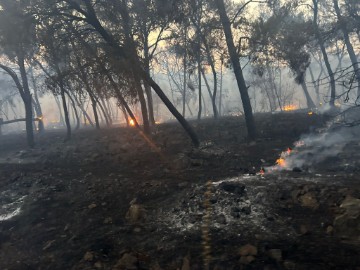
[[132, 122], [281, 162], [290, 108]]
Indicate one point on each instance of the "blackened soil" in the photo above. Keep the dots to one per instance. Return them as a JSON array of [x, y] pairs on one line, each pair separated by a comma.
[[77, 194]]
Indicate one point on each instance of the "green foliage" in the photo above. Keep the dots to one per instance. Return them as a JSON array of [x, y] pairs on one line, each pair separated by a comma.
[[17, 30], [285, 37]]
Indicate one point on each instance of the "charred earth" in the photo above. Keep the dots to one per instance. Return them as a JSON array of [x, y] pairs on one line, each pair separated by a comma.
[[110, 199]]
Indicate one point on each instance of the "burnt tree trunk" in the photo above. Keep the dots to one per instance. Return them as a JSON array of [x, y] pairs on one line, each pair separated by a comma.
[[184, 78], [309, 102], [37, 104], [66, 111], [25, 96], [324, 54], [349, 47], [131, 47], [146, 85], [28, 103], [77, 118], [61, 116], [93, 105], [250, 123]]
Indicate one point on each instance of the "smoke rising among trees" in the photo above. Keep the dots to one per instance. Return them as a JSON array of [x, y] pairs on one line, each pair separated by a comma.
[[76, 63]]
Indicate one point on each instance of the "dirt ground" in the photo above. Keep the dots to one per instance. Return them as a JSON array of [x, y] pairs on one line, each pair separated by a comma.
[[114, 199]]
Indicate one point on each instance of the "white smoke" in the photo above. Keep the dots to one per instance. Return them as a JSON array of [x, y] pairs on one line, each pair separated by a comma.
[[325, 145]]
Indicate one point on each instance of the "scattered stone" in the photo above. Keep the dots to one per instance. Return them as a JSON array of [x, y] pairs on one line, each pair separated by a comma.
[[196, 162], [98, 265], [195, 218], [108, 220], [182, 184], [186, 264], [136, 213], [246, 209], [92, 206], [289, 265], [347, 225], [221, 219], [309, 200], [156, 266], [127, 261], [48, 245], [89, 256], [330, 229], [304, 229], [246, 259], [248, 249], [213, 199], [67, 226], [235, 188], [275, 254]]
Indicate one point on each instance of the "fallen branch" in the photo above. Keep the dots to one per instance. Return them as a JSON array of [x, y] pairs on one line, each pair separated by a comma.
[[16, 120]]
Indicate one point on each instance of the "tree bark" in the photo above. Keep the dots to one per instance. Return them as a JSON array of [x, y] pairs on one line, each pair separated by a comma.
[[147, 86], [96, 116], [61, 116], [309, 101], [325, 56], [27, 102], [185, 67], [349, 47], [66, 112], [37, 104], [77, 118], [250, 123], [200, 94], [131, 47], [26, 97]]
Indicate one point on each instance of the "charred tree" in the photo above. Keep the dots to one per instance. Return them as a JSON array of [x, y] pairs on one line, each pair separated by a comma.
[[25, 96], [250, 123], [349, 47], [324, 54]]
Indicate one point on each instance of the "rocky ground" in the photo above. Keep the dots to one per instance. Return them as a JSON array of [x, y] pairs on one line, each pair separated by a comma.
[[114, 199]]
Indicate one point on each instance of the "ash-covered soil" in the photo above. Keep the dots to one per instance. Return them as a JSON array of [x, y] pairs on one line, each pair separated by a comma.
[[112, 199]]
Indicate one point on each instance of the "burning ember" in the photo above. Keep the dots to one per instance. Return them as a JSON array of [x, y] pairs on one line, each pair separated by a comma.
[[290, 108], [281, 160], [132, 122]]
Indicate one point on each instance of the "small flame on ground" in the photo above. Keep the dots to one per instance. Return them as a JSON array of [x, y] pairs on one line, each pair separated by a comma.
[[290, 108], [310, 113], [132, 122], [281, 162]]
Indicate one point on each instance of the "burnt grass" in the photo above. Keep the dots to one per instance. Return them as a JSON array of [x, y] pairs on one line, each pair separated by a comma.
[[77, 195]]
